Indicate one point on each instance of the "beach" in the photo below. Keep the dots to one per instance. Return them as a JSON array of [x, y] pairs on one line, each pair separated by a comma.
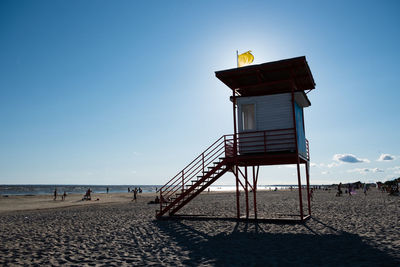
[[352, 230]]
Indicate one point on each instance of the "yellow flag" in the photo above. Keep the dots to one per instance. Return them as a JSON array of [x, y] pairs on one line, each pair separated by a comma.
[[245, 59]]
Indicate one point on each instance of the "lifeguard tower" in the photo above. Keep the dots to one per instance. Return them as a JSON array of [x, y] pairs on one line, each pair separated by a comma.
[[268, 101]]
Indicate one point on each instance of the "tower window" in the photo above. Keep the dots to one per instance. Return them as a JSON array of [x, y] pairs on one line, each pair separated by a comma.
[[248, 117]]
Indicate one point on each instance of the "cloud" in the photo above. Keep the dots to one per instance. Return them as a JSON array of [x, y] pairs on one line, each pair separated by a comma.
[[333, 164], [396, 169], [385, 157], [359, 170], [365, 170], [348, 158], [330, 165]]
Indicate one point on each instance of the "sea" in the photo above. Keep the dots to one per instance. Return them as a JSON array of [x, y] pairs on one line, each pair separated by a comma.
[[45, 189]]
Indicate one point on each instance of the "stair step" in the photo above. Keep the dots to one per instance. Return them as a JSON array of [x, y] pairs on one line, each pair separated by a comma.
[[195, 181], [166, 204], [201, 182]]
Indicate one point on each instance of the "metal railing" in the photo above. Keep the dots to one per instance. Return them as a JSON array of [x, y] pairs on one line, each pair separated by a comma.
[[247, 143], [220, 148], [266, 141]]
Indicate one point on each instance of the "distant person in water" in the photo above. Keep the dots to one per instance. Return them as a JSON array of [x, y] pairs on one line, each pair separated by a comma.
[[55, 194], [129, 190], [107, 190]]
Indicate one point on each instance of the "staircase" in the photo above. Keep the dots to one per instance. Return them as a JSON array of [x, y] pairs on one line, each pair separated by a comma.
[[216, 160], [197, 176]]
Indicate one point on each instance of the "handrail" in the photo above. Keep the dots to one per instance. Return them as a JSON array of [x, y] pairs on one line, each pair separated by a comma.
[[193, 168], [175, 187], [207, 161], [247, 142], [190, 163]]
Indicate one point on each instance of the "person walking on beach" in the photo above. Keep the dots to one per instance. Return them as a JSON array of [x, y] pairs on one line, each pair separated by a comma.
[[55, 193], [63, 196], [339, 193], [107, 190], [135, 194]]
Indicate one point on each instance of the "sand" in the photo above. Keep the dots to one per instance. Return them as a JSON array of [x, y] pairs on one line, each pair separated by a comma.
[[18, 203], [114, 231]]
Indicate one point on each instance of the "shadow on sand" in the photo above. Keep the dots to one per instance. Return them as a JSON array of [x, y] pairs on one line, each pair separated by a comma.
[[249, 244]]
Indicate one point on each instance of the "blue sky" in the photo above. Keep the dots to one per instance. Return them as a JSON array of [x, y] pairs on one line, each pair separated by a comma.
[[124, 92]]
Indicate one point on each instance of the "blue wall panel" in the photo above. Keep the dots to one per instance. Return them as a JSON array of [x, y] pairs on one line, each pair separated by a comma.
[[301, 138]]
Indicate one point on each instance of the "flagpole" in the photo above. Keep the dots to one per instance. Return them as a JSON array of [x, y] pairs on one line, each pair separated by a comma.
[[237, 59]]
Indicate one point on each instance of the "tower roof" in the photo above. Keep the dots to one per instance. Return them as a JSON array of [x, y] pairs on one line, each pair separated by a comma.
[[269, 78]]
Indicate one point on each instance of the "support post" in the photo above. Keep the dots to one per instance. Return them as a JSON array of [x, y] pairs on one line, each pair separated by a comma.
[[308, 187], [300, 195], [225, 148], [297, 149], [234, 124], [161, 200], [246, 192], [255, 192], [237, 192], [183, 182], [203, 161]]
